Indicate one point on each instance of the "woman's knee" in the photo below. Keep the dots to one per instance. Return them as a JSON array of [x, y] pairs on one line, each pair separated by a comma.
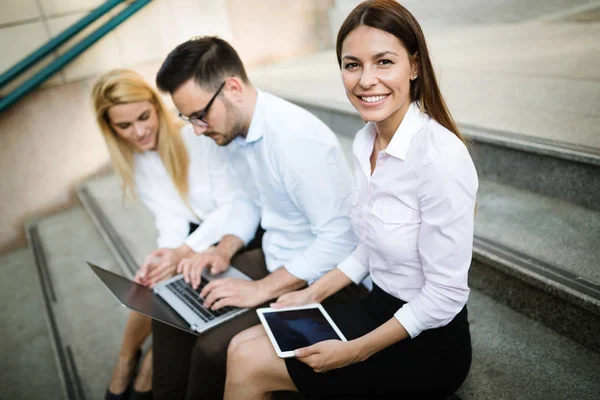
[[247, 357], [254, 362], [235, 342], [243, 336]]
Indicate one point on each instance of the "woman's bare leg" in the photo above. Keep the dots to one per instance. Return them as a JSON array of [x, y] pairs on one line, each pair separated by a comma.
[[248, 334], [143, 381], [253, 368], [138, 328]]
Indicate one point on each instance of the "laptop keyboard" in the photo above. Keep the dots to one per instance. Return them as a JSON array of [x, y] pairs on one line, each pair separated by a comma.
[[191, 297]]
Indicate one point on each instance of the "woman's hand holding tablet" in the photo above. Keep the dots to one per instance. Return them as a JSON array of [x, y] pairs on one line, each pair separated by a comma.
[[294, 328]]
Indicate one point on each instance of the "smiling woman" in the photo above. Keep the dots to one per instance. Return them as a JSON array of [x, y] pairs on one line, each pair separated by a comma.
[[137, 123], [129, 110], [383, 50], [414, 219]]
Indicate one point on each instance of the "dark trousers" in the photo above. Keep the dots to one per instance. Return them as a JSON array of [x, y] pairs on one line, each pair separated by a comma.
[[187, 366]]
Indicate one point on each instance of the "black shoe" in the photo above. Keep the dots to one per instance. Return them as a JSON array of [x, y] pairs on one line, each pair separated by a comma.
[[135, 395], [125, 395], [122, 396]]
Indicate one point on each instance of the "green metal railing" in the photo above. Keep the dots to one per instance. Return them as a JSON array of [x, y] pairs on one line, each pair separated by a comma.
[[72, 53]]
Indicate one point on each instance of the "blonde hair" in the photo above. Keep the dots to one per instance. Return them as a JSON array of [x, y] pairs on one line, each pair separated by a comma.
[[123, 86]]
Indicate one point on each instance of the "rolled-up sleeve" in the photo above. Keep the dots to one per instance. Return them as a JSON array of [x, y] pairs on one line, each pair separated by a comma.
[[210, 230], [321, 189], [243, 219], [356, 265], [446, 194]]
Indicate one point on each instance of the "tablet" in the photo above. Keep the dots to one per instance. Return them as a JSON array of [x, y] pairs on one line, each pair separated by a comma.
[[296, 327]]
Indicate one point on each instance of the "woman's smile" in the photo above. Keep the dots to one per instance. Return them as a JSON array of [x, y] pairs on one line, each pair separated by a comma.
[[372, 100]]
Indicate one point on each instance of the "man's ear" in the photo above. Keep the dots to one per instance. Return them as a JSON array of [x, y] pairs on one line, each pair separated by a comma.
[[235, 88]]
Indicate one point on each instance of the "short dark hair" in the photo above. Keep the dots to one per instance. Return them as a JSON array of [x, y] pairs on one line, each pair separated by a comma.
[[209, 60]]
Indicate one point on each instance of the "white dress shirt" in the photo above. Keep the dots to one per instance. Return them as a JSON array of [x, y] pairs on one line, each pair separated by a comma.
[[414, 219], [212, 192], [294, 168]]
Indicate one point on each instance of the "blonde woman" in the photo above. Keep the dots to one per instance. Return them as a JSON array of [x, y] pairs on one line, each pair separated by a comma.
[[185, 182]]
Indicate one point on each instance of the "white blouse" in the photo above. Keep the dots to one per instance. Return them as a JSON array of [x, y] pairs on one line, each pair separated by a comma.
[[414, 219], [212, 192]]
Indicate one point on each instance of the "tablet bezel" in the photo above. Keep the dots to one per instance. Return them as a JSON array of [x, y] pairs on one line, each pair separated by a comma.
[[288, 354]]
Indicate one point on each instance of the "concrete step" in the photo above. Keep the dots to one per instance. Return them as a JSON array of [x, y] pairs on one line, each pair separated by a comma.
[[27, 357], [86, 321], [554, 169], [516, 357], [540, 256], [126, 225]]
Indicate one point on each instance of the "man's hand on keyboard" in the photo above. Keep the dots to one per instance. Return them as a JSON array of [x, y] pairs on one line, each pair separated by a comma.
[[192, 267], [232, 292]]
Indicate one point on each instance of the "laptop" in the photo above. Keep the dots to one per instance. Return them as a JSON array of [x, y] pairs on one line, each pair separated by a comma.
[[173, 302]]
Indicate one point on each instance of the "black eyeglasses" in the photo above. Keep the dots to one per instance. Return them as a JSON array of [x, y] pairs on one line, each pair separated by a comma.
[[199, 119]]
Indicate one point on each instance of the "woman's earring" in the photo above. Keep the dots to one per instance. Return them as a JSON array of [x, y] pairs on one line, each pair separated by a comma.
[[413, 77]]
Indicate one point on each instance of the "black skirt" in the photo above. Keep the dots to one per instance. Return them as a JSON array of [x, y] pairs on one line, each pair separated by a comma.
[[433, 365]]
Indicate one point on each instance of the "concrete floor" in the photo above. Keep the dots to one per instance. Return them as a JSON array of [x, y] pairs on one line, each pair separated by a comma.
[[27, 364]]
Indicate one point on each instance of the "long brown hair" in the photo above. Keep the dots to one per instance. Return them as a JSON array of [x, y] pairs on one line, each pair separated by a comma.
[[389, 16], [123, 86]]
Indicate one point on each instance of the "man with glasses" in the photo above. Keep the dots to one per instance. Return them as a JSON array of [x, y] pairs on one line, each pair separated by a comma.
[[294, 174]]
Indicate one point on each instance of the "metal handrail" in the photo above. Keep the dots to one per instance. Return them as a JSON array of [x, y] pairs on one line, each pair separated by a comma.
[[70, 54], [56, 41]]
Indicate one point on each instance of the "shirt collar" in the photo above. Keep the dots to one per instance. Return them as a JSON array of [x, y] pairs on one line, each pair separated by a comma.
[[256, 129], [412, 123]]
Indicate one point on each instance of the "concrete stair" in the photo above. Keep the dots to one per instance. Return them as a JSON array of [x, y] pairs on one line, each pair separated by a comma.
[[85, 322], [27, 353]]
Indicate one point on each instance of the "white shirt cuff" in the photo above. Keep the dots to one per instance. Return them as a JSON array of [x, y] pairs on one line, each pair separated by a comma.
[[353, 269], [301, 269], [245, 233], [408, 320], [200, 245], [169, 242]]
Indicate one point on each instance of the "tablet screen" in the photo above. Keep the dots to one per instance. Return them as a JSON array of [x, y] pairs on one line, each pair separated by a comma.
[[294, 329]]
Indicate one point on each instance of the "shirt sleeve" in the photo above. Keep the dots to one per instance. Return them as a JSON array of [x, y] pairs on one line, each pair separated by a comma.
[[321, 188], [447, 199], [356, 265], [172, 228], [210, 230], [235, 214]]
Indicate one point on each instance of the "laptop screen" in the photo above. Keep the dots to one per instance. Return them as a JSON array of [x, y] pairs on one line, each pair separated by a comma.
[[140, 298]]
